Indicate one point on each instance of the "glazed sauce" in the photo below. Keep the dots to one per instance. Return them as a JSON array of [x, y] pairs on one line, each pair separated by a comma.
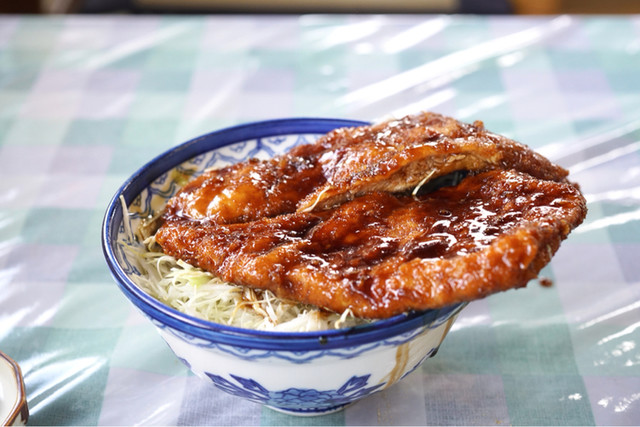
[[257, 189], [356, 236], [449, 222], [378, 253], [248, 191]]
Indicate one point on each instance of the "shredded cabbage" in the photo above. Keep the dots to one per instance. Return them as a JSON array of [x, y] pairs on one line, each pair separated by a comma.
[[198, 293]]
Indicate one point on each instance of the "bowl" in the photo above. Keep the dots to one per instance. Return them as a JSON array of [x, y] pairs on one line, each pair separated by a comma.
[[13, 399], [301, 373]]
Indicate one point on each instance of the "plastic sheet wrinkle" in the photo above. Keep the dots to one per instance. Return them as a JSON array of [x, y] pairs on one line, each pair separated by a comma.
[[59, 378], [134, 46], [415, 35], [452, 63], [610, 221]]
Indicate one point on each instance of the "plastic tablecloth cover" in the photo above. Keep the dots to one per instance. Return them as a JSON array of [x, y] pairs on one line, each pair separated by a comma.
[[86, 100]]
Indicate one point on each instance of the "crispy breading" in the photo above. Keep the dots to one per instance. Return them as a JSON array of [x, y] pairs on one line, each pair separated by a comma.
[[333, 224], [381, 254]]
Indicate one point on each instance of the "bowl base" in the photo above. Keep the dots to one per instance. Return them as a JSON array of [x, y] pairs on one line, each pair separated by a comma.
[[308, 413]]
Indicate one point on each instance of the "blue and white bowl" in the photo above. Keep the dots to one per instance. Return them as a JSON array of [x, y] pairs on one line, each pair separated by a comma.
[[306, 373]]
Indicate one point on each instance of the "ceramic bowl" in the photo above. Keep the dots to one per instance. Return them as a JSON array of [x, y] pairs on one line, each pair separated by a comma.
[[13, 399], [305, 373]]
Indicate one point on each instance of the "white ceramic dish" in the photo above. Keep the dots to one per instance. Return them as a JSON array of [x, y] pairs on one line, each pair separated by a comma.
[[300, 373], [13, 399]]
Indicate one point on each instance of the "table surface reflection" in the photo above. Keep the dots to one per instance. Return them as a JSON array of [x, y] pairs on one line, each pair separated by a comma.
[[86, 100]]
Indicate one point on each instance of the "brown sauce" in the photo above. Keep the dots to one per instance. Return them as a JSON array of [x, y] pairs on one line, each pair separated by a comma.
[[379, 252]]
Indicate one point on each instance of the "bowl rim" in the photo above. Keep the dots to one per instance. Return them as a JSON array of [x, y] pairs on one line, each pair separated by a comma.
[[233, 335]]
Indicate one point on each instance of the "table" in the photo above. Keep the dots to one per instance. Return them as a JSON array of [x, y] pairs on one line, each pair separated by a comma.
[[86, 100]]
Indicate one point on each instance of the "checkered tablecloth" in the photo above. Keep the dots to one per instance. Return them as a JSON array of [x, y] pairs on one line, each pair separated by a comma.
[[85, 101]]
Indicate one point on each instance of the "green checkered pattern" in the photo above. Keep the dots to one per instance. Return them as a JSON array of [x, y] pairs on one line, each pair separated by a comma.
[[86, 101]]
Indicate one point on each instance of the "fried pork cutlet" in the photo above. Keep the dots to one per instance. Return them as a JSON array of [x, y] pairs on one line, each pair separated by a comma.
[[399, 155], [393, 156], [370, 246]]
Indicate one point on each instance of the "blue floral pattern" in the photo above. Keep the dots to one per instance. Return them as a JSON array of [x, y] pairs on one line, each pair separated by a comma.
[[298, 399]]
